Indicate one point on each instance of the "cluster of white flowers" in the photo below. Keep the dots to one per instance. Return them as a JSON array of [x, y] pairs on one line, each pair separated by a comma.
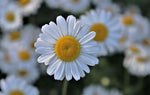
[[99, 90], [69, 46]]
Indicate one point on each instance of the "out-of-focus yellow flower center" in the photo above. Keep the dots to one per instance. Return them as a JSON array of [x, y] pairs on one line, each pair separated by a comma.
[[101, 31], [122, 39], [146, 42], [67, 48], [127, 20], [10, 17], [16, 92], [134, 49], [32, 45], [75, 0], [142, 59], [24, 55], [7, 57], [95, 93], [23, 73], [23, 2], [15, 35]]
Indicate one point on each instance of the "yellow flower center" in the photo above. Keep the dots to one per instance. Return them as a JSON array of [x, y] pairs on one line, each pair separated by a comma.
[[32, 45], [23, 73], [75, 1], [134, 49], [15, 35], [142, 59], [128, 20], [16, 92], [122, 39], [23, 2], [7, 57], [101, 31], [24, 55], [67, 48], [146, 42], [10, 17]]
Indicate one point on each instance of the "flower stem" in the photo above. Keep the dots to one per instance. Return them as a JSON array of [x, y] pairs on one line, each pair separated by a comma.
[[64, 89]]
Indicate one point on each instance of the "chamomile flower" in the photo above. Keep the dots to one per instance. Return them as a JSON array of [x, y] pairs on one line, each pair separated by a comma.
[[100, 2], [6, 64], [95, 90], [29, 35], [10, 18], [115, 91], [28, 7], [23, 55], [54, 3], [107, 30], [67, 48], [111, 7], [75, 6], [133, 9], [15, 86], [138, 64], [133, 26], [28, 73]]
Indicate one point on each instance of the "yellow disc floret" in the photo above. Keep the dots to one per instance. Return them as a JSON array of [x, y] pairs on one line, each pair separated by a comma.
[[127, 20], [15, 35], [142, 59], [75, 0], [10, 17], [24, 55], [67, 48], [16, 92], [23, 2], [101, 31], [134, 49], [23, 73]]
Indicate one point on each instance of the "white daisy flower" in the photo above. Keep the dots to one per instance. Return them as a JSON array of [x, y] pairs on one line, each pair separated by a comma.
[[54, 3], [23, 55], [28, 73], [111, 7], [115, 91], [133, 9], [28, 7], [27, 35], [133, 26], [67, 48], [95, 90], [14, 86], [138, 64], [6, 64], [101, 2], [10, 18], [75, 6], [107, 30]]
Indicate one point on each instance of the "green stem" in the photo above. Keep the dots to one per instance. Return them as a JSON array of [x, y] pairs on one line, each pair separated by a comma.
[[64, 89]]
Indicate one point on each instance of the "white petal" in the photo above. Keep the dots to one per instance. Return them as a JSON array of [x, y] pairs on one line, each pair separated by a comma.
[[51, 68], [82, 65], [47, 38], [91, 50], [44, 50], [88, 37], [45, 57], [76, 29], [74, 71], [68, 71], [71, 21], [62, 24], [89, 44], [89, 60], [59, 71], [84, 30]]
